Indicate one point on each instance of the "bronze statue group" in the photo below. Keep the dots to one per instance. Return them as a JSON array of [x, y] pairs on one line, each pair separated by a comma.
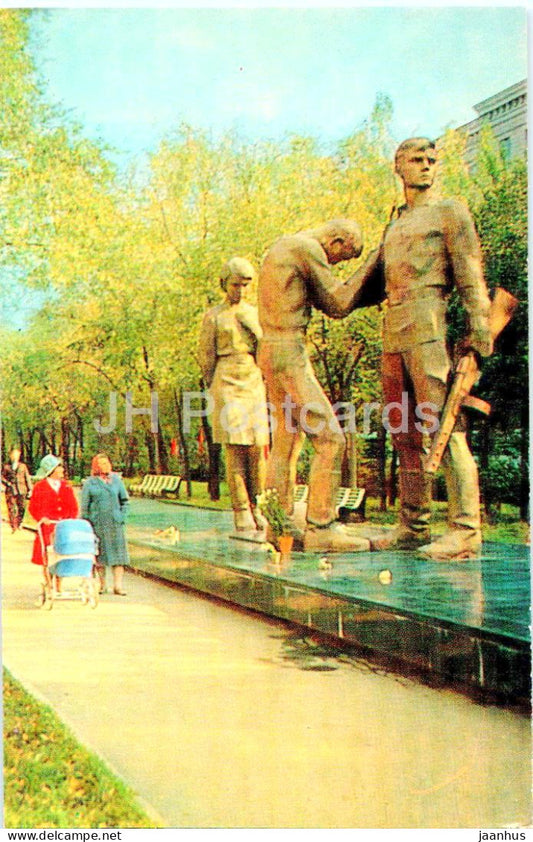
[[253, 355]]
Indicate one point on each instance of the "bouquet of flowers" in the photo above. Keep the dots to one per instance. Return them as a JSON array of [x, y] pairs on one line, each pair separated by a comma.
[[273, 511]]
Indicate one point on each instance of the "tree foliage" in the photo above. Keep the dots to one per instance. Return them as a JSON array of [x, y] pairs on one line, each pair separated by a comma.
[[127, 267]]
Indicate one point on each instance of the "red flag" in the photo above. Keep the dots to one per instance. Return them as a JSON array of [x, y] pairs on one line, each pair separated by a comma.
[[201, 440], [174, 447]]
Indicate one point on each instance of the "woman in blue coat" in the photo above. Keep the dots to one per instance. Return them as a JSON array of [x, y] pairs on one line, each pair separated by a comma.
[[104, 502]]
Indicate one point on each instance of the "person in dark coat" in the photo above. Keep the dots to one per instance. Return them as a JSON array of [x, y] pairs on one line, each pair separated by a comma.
[[52, 499], [104, 502], [18, 487]]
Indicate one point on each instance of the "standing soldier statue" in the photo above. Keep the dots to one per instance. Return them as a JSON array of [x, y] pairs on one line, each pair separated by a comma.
[[428, 248]]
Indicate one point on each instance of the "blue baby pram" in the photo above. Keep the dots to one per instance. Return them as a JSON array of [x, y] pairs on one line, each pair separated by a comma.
[[71, 555]]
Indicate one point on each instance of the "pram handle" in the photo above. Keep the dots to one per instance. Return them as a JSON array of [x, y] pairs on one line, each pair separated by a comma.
[[44, 521]]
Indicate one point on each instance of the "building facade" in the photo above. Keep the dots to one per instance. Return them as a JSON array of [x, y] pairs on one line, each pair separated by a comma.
[[506, 113]]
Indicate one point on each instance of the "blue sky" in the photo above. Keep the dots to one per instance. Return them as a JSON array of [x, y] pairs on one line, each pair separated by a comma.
[[131, 75]]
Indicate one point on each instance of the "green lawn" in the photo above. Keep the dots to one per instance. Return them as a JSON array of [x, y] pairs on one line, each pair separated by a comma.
[[50, 780], [200, 497], [507, 529]]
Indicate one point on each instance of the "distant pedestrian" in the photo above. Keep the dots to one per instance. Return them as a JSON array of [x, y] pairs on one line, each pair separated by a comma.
[[52, 499], [18, 487], [104, 502]]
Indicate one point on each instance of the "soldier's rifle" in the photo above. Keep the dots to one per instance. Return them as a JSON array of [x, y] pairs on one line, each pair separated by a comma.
[[465, 377]]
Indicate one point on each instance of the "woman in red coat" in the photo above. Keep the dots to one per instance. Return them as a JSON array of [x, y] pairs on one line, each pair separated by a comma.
[[52, 499]]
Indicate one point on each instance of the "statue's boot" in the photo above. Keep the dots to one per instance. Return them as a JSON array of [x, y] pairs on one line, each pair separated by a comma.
[[334, 538], [462, 538], [243, 520], [261, 522], [402, 538], [413, 529], [454, 545]]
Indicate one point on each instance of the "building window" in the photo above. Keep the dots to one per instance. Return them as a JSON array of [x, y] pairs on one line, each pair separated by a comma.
[[505, 148]]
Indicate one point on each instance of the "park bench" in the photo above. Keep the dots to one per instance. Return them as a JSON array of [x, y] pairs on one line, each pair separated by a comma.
[[348, 501], [157, 485], [301, 492]]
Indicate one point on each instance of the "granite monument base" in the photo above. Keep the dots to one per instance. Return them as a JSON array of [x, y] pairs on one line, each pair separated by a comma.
[[461, 624]]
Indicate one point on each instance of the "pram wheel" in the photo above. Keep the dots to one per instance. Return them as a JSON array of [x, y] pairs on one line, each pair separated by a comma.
[[93, 599], [73, 556], [89, 592], [94, 592]]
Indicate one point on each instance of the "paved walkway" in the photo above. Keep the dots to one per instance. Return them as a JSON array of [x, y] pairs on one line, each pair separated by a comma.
[[220, 718]]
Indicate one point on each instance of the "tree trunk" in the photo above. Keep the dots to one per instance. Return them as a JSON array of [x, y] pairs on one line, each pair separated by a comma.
[[29, 452], [213, 452], [524, 463], [65, 445], [349, 462], [81, 443], [154, 441], [130, 455], [484, 485], [44, 446], [150, 446], [178, 402], [345, 465], [52, 441], [77, 446], [162, 454], [382, 467], [213, 486], [393, 484]]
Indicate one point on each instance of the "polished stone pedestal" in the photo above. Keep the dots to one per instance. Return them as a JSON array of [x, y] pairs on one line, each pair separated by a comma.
[[463, 624]]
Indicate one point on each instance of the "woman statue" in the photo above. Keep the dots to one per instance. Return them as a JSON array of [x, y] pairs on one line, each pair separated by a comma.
[[228, 346]]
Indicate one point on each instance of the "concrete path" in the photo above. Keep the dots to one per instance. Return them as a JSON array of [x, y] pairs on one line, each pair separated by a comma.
[[220, 718]]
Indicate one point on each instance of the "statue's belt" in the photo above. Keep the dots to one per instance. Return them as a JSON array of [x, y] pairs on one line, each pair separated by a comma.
[[414, 322]]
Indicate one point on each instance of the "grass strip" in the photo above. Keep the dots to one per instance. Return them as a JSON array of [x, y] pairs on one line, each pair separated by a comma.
[[506, 527], [50, 780]]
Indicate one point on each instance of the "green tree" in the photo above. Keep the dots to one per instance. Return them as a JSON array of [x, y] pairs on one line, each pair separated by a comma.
[[496, 190], [501, 217]]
